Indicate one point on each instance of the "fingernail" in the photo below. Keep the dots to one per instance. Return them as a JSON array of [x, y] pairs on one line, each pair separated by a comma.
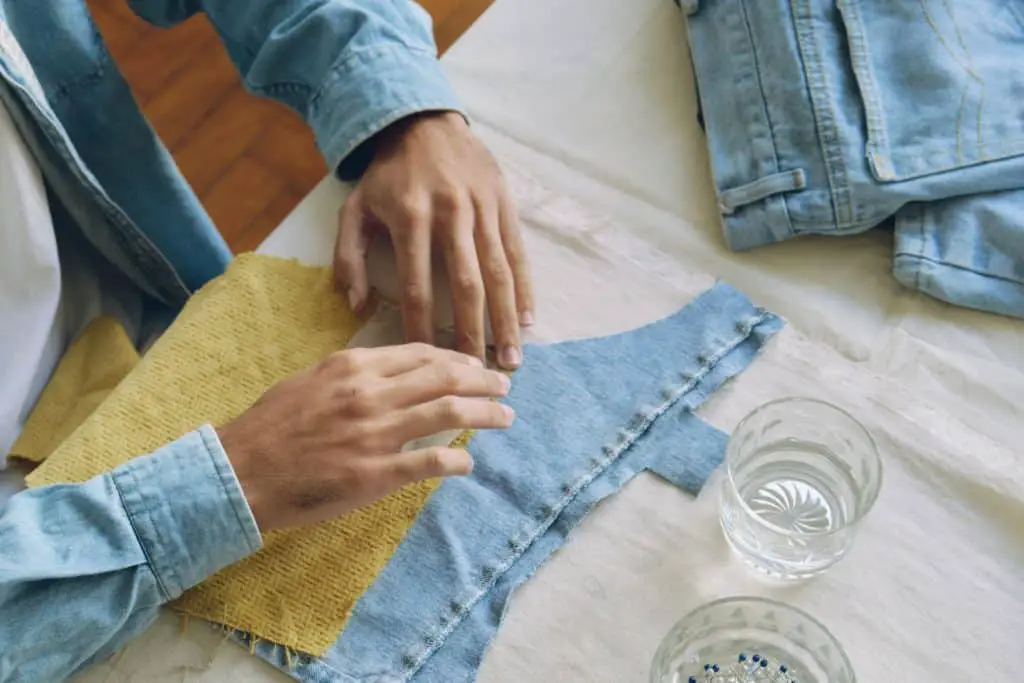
[[526, 318], [511, 357], [473, 360], [353, 300], [510, 414], [506, 382]]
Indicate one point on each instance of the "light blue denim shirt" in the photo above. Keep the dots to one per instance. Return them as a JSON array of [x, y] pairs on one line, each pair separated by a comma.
[[83, 568]]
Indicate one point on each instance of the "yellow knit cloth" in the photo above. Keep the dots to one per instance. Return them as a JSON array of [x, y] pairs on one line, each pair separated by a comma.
[[262, 321], [98, 360]]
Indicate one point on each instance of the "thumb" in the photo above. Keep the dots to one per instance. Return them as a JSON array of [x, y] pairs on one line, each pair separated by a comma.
[[350, 251]]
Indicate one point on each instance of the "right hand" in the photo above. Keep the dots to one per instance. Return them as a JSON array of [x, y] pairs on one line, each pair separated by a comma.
[[328, 440]]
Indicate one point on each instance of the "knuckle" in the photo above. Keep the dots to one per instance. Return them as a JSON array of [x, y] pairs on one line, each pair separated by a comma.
[[409, 209], [469, 342], [451, 409], [333, 364], [497, 270], [447, 377], [433, 460], [449, 199], [366, 436], [346, 362], [416, 297], [357, 399], [358, 480], [468, 285]]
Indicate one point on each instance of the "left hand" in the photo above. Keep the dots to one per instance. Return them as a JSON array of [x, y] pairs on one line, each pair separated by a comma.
[[433, 183]]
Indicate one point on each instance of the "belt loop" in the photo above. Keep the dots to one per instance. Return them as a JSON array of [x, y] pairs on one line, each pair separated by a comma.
[[788, 181]]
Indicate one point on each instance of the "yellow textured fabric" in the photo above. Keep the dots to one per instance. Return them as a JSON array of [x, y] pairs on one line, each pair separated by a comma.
[[93, 365], [263, 320]]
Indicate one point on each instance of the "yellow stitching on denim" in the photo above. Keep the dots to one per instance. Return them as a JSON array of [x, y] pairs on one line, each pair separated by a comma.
[[976, 76], [960, 126], [942, 39]]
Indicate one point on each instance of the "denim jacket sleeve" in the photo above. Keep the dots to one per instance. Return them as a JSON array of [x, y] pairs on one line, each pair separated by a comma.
[[349, 67], [85, 567]]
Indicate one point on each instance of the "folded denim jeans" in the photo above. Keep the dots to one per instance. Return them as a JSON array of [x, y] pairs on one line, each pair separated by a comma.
[[833, 117], [591, 414]]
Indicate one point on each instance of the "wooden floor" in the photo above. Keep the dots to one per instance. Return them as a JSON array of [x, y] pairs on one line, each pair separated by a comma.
[[250, 160]]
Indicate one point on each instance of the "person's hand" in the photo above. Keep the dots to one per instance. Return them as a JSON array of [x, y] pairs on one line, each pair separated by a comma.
[[328, 440], [433, 183]]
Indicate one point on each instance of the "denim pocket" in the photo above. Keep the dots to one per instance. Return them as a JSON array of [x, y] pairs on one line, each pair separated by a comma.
[[942, 82]]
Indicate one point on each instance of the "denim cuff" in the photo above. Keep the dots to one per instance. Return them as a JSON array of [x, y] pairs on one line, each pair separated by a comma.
[[368, 92], [187, 509]]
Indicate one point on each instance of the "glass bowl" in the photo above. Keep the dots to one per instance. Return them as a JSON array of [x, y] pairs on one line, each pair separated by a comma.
[[743, 640]]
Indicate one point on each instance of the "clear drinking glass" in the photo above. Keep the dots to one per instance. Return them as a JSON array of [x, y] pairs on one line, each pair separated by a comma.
[[748, 640], [800, 475]]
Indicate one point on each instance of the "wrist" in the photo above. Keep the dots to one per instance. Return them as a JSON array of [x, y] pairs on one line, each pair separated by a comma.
[[238, 447], [409, 128]]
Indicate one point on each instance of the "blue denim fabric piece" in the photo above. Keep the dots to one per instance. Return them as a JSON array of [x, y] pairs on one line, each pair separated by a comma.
[[940, 246], [98, 559], [828, 117], [349, 69], [591, 414]]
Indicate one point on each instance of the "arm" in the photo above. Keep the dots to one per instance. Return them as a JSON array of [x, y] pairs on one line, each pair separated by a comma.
[[350, 68], [84, 567], [357, 71]]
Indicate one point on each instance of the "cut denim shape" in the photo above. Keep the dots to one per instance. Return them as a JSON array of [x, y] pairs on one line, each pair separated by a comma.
[[591, 414]]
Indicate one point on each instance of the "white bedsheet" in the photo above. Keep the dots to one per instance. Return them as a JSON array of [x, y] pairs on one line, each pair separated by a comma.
[[591, 102]]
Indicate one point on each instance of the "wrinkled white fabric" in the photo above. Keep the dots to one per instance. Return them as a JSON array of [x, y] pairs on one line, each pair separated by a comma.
[[592, 102], [31, 336]]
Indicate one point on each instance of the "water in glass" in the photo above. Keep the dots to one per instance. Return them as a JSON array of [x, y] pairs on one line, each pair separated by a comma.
[[800, 474]]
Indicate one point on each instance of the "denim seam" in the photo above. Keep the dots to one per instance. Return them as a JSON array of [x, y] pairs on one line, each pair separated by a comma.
[[281, 87], [747, 76], [228, 481], [822, 107], [863, 75], [778, 198], [940, 262], [760, 86], [138, 537], [414, 659]]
